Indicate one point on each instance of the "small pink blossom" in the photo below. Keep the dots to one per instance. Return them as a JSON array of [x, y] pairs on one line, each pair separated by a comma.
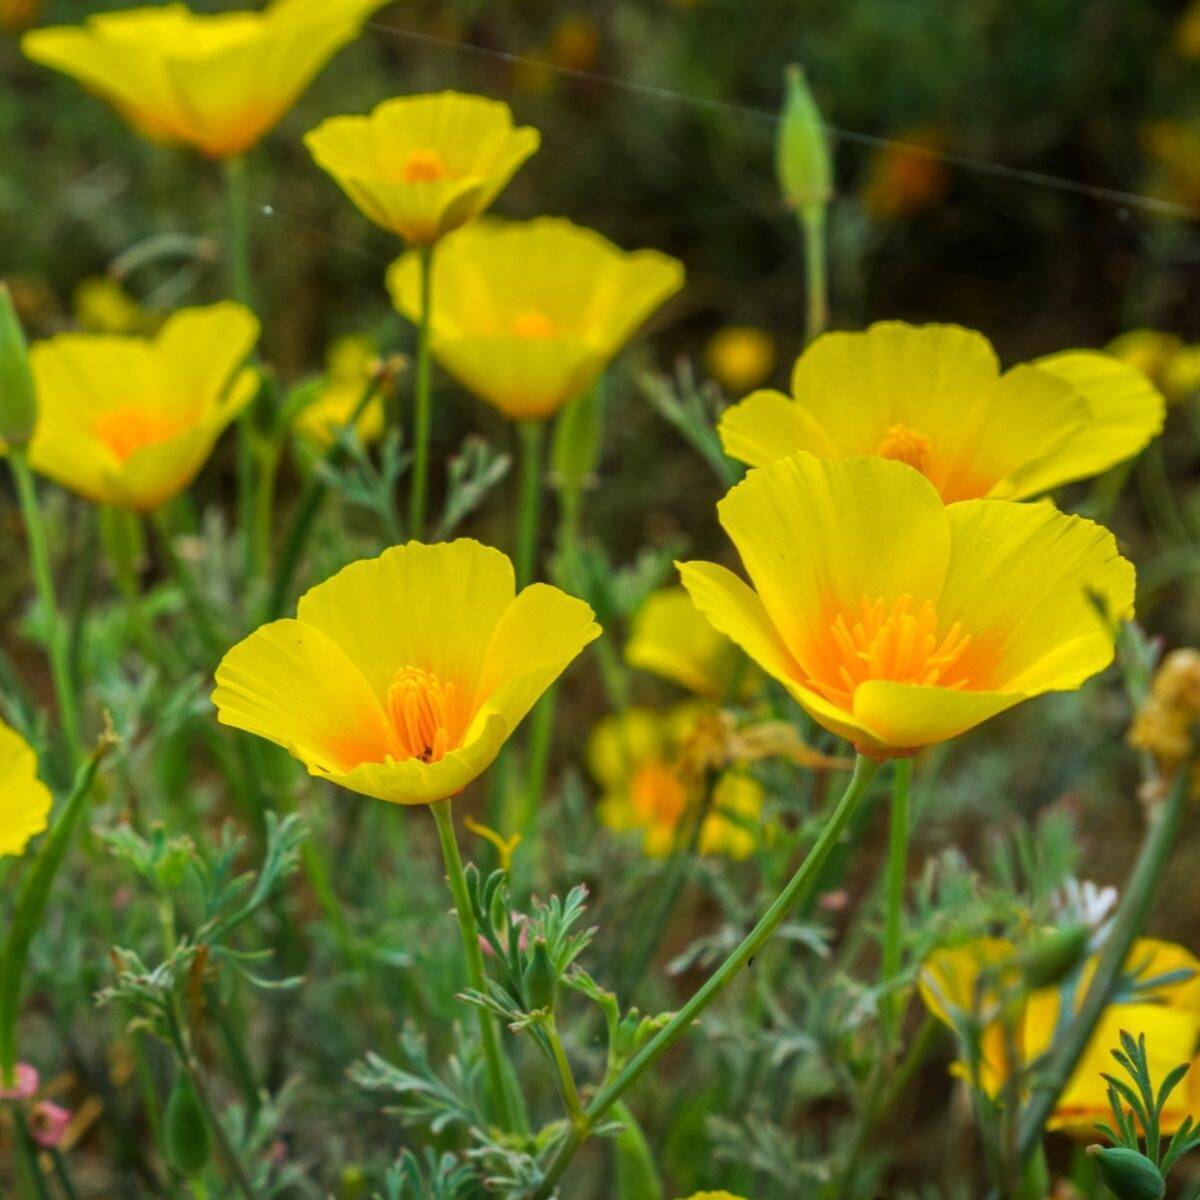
[[25, 1083], [522, 938], [834, 901], [47, 1123]]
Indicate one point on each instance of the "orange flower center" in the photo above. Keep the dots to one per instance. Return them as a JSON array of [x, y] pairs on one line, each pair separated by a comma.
[[906, 445], [424, 714], [657, 794], [124, 430], [423, 166], [901, 643], [533, 324]]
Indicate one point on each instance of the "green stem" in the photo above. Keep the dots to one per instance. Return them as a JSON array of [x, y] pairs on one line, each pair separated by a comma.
[[35, 1184], [423, 403], [210, 635], [267, 460], [43, 578], [1130, 918], [242, 289], [306, 511], [473, 953], [856, 790], [564, 1074], [897, 871], [190, 1068], [816, 293], [31, 904], [532, 435]]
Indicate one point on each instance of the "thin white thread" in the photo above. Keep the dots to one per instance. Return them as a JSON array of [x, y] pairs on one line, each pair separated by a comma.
[[657, 92]]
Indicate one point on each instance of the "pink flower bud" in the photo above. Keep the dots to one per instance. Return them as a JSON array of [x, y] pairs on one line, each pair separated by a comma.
[[25, 1083], [47, 1123]]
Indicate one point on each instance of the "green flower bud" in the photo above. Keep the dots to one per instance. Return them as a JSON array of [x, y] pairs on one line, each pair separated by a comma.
[[576, 449], [541, 979], [18, 399], [802, 158], [185, 1132], [1128, 1174], [1050, 958]]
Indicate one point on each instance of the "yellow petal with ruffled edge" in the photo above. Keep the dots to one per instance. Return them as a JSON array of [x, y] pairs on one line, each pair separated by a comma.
[[422, 166], [1031, 584], [215, 82], [672, 638], [24, 799], [1125, 412], [408, 671], [527, 314], [129, 421], [767, 425]]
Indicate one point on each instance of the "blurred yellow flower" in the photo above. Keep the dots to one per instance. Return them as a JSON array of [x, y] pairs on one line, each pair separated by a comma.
[[672, 638], [1187, 32], [528, 314], [740, 357], [1165, 725], [897, 621], [713, 1195], [403, 675], [349, 367], [421, 166], [24, 799], [574, 43], [1166, 360], [215, 82], [1169, 1016], [1173, 149], [906, 176], [102, 305], [636, 756], [933, 396], [130, 421]]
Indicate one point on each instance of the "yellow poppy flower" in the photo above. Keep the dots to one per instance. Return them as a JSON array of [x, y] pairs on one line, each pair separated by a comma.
[[528, 314], [671, 638], [102, 305], [24, 799], [740, 357], [933, 396], [635, 756], [403, 675], [215, 82], [1169, 1016], [349, 365], [897, 621], [421, 166], [130, 421], [714, 1196]]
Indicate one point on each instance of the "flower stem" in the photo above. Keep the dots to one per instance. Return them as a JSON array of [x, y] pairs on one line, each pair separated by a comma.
[[43, 578], [893, 927], [306, 511], [1159, 841], [423, 403], [532, 435], [31, 904], [856, 790], [816, 292], [566, 1077], [241, 288], [473, 953]]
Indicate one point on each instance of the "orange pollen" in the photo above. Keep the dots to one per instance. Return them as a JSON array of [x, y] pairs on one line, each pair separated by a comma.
[[906, 445], [533, 324], [658, 795], [423, 710], [900, 643], [423, 166], [125, 430]]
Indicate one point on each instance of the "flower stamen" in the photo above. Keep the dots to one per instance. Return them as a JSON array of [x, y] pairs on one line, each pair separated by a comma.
[[423, 166], [126, 430], [905, 444], [423, 711], [900, 643]]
